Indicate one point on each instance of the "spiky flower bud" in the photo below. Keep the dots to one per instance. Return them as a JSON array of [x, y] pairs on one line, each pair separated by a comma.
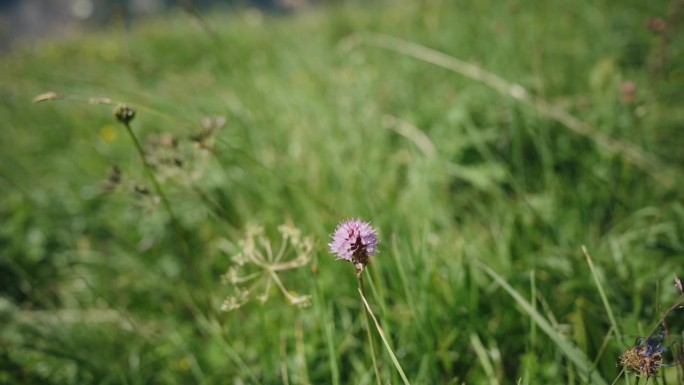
[[124, 113], [355, 241]]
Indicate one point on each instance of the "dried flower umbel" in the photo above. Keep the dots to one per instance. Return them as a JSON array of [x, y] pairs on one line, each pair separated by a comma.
[[355, 241], [646, 358], [257, 265]]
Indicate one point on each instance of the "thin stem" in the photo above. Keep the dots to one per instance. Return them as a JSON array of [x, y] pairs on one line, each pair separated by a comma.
[[602, 294], [381, 332], [149, 171], [160, 192], [618, 376], [359, 276]]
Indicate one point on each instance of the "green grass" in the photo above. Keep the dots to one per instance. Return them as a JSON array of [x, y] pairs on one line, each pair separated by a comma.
[[483, 195]]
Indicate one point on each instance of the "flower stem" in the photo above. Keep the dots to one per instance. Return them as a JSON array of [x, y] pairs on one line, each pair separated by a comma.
[[397, 365], [158, 189], [359, 276]]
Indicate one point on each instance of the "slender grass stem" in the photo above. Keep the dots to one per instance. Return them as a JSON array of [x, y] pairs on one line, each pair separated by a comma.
[[618, 376], [359, 276], [148, 170], [603, 296], [162, 195], [330, 342], [576, 356], [369, 312]]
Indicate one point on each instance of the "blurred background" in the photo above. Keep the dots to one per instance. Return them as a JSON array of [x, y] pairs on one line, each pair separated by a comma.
[[40, 19]]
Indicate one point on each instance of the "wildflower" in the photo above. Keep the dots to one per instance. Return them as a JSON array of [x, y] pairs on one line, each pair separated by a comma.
[[356, 241], [646, 357]]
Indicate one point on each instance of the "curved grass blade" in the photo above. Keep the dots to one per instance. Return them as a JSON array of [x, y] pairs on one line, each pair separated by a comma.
[[569, 350]]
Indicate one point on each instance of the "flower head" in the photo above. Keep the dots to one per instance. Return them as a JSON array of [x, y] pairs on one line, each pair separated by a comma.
[[356, 241], [646, 357], [124, 113]]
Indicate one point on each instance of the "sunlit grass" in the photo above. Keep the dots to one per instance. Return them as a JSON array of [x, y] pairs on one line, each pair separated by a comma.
[[487, 142]]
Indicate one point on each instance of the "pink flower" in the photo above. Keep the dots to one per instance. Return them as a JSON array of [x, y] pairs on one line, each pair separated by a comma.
[[356, 241]]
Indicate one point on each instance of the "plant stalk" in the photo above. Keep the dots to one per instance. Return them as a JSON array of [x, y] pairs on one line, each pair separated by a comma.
[[359, 277], [158, 189]]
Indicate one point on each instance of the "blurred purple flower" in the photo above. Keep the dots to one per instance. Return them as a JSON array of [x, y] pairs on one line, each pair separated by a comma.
[[356, 241]]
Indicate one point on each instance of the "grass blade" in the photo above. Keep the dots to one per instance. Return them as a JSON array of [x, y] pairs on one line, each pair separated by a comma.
[[602, 293], [571, 352], [384, 340]]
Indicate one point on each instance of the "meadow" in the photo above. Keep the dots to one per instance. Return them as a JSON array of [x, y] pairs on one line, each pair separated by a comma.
[[168, 192]]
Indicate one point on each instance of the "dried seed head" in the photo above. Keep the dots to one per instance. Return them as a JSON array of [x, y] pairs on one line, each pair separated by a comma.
[[646, 358], [46, 96], [678, 284], [258, 266]]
